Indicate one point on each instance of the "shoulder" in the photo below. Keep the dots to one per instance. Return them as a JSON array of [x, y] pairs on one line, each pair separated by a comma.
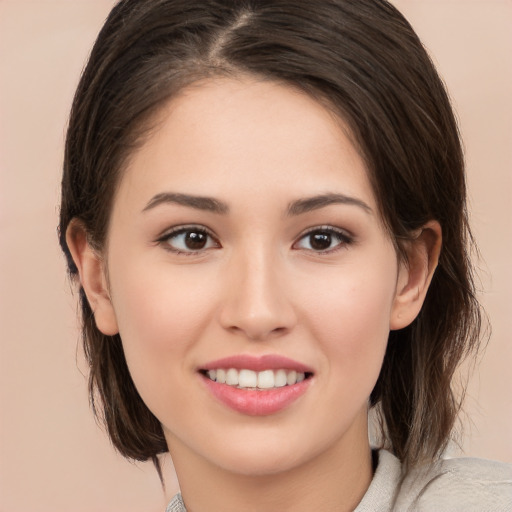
[[452, 485], [469, 484], [176, 505]]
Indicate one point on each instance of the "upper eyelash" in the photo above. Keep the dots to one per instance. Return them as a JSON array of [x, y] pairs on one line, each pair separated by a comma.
[[329, 229], [182, 229], [346, 237]]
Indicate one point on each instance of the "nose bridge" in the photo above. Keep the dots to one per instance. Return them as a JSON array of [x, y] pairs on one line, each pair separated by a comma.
[[256, 301]]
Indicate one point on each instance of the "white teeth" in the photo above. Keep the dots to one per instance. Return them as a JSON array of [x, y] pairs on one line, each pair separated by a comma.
[[232, 377], [265, 379], [280, 379], [247, 379], [221, 376], [291, 378]]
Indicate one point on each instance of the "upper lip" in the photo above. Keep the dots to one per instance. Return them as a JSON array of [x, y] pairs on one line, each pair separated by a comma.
[[257, 363]]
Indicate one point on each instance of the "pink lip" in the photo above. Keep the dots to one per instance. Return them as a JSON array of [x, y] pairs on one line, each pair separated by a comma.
[[257, 363], [256, 402]]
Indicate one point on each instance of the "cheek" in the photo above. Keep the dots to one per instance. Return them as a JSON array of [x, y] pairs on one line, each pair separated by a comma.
[[161, 313], [349, 316]]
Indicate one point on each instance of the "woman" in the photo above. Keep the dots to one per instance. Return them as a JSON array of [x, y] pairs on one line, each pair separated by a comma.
[[264, 202]]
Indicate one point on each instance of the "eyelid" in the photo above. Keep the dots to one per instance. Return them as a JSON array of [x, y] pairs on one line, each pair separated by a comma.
[[346, 238], [183, 228], [180, 228]]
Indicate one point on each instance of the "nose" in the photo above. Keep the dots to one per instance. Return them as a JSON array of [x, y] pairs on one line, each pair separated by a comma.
[[256, 302]]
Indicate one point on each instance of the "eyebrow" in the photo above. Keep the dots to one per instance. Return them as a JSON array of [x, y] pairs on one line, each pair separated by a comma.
[[198, 202], [321, 201], [297, 207]]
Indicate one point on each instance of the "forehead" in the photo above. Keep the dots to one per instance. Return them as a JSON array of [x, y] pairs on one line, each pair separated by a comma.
[[247, 135]]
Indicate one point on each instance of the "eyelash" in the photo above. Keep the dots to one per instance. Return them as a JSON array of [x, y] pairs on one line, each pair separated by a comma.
[[164, 240], [343, 237]]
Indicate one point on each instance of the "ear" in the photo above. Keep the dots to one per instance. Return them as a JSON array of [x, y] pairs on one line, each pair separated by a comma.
[[415, 275], [92, 277]]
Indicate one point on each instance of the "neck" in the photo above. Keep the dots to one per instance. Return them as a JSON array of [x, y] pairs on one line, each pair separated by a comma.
[[333, 481]]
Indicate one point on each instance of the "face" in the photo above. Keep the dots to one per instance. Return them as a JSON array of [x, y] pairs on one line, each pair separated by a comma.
[[245, 244]]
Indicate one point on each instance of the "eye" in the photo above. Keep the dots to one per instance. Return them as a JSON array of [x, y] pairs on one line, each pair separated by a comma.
[[190, 239], [324, 239]]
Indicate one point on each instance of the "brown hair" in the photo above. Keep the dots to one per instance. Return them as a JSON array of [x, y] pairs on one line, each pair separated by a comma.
[[363, 59]]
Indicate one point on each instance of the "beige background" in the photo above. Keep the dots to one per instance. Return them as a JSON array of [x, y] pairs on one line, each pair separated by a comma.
[[52, 455]]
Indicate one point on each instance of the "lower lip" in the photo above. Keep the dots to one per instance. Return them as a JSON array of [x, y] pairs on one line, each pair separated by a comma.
[[257, 403]]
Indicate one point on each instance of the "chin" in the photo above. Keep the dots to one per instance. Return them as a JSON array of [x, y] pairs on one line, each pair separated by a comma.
[[250, 452], [261, 463]]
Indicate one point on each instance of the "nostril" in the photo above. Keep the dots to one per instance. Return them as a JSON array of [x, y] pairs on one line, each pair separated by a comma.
[[262, 333]]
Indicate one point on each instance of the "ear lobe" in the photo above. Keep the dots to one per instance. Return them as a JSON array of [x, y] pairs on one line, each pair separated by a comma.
[[415, 275], [92, 277]]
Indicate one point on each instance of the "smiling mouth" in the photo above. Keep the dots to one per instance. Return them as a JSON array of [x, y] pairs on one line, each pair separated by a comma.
[[256, 385], [256, 380]]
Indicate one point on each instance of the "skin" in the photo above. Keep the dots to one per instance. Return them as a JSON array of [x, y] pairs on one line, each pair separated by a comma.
[[257, 287]]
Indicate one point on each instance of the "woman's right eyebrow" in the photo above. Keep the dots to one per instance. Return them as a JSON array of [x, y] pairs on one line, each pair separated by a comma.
[[198, 202]]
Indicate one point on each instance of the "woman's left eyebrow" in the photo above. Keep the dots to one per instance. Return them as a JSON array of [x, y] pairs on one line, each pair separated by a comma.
[[198, 202], [308, 204]]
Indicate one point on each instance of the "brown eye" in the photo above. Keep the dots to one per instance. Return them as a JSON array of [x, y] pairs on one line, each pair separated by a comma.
[[195, 240], [189, 240], [320, 241], [323, 240]]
